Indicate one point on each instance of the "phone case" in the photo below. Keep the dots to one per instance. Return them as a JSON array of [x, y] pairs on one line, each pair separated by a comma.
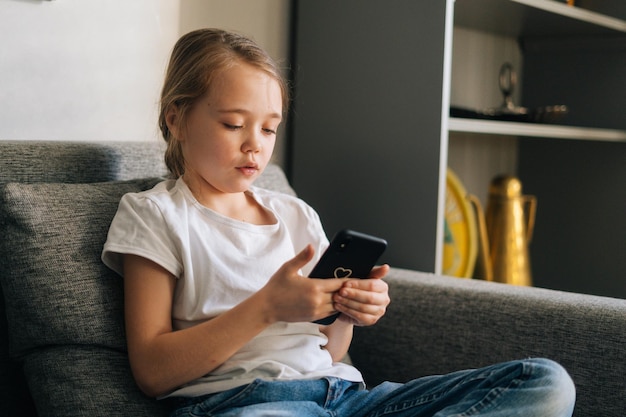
[[350, 255]]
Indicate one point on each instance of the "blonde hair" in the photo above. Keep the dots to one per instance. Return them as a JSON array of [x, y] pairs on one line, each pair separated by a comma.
[[196, 59]]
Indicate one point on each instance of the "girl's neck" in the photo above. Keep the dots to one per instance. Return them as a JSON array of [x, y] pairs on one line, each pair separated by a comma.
[[240, 206]]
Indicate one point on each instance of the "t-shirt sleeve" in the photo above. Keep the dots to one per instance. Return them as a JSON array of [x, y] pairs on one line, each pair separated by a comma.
[[139, 228], [317, 237], [305, 228]]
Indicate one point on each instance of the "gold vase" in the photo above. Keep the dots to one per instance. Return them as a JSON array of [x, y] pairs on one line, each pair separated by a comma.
[[509, 221]]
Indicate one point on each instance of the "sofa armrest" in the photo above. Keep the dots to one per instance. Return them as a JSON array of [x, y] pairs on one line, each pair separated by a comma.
[[438, 324]]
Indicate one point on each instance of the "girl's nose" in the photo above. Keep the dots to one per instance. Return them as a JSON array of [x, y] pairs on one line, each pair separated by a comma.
[[253, 143]]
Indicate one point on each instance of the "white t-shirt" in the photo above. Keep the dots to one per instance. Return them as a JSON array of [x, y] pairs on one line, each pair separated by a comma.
[[219, 262]]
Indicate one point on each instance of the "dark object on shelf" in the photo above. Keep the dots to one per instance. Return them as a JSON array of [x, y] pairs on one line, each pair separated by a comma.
[[508, 111], [548, 114]]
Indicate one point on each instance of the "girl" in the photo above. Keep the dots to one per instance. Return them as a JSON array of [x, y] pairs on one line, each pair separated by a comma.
[[218, 312]]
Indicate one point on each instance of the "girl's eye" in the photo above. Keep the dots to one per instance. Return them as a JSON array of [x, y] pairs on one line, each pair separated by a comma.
[[232, 127], [269, 131]]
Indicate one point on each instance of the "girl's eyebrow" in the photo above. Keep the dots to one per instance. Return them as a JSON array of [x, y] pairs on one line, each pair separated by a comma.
[[243, 111]]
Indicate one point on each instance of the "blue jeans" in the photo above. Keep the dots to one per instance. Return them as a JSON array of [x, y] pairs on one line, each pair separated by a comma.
[[529, 388]]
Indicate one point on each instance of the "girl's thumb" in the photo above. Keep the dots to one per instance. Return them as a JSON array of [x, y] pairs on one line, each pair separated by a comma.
[[303, 258]]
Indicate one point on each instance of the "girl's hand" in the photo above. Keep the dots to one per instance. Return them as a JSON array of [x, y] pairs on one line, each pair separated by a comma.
[[363, 301], [290, 297]]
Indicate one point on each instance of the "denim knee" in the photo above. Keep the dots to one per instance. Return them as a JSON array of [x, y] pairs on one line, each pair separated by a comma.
[[559, 387]]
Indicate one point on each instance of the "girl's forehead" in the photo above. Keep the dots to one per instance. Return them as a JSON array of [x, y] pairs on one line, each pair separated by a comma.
[[244, 83], [239, 71]]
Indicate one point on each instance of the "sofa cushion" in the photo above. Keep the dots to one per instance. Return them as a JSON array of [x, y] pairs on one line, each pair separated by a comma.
[[56, 289], [273, 178], [86, 381], [59, 295], [68, 162]]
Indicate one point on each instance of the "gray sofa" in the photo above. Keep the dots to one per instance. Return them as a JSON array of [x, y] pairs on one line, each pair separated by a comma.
[[62, 347]]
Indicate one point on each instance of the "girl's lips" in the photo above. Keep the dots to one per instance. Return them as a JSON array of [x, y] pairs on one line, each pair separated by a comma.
[[249, 170]]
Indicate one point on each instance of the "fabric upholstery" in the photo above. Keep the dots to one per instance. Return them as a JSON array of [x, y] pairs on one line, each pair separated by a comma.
[[439, 324], [86, 380], [58, 293], [65, 162], [79, 367], [56, 233], [64, 306], [79, 162], [274, 178]]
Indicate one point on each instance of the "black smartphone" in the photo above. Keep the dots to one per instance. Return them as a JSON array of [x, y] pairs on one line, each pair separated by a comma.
[[350, 254]]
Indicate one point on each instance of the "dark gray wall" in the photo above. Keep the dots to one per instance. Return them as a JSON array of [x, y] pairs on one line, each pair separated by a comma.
[[366, 120], [580, 241]]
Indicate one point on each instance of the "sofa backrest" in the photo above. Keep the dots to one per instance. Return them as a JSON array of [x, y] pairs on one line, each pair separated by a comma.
[[64, 309], [79, 162]]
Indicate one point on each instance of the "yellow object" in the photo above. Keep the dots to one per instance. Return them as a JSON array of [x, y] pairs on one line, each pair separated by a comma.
[[460, 236], [483, 268], [510, 220]]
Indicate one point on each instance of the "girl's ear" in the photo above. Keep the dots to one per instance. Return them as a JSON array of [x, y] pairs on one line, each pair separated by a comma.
[[172, 119]]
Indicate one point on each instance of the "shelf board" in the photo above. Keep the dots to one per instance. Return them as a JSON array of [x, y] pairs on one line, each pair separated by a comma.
[[526, 18], [492, 127]]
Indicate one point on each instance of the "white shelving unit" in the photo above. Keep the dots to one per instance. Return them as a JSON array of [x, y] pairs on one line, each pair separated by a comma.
[[573, 56], [490, 127], [534, 18]]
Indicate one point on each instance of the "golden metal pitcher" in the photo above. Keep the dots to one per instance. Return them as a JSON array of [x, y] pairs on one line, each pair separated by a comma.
[[509, 223]]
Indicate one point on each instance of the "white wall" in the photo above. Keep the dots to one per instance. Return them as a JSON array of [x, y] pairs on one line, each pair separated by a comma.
[[83, 69], [266, 21], [92, 70]]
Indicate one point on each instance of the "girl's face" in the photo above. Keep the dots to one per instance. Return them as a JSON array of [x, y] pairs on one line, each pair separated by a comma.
[[230, 132]]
